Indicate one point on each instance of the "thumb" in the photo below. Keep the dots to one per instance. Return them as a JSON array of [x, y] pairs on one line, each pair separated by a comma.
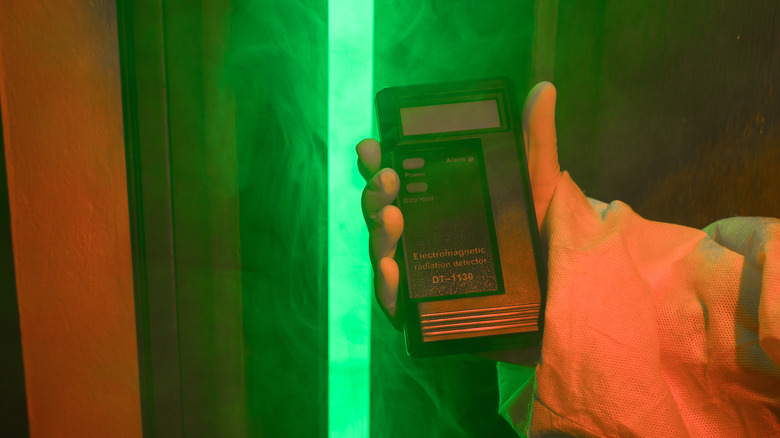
[[541, 145]]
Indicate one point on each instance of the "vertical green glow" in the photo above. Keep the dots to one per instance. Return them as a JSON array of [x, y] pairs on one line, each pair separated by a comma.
[[350, 73]]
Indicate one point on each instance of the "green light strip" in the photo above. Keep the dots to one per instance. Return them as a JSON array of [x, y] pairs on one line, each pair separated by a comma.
[[350, 72]]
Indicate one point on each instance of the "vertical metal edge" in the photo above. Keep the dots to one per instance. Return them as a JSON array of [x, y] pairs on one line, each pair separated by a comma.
[[14, 405], [129, 110], [158, 378]]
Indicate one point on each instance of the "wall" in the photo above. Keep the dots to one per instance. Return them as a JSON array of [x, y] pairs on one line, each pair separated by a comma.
[[671, 107], [62, 119]]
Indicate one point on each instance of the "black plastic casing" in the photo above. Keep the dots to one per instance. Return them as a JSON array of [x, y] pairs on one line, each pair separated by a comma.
[[509, 314]]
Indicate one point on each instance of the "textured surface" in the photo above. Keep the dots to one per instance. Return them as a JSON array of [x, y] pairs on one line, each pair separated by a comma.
[[653, 329], [672, 107], [60, 82]]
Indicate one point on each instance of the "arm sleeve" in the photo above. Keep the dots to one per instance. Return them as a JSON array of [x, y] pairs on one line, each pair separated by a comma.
[[652, 329]]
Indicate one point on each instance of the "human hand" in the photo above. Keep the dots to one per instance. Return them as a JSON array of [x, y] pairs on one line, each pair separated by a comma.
[[385, 222]]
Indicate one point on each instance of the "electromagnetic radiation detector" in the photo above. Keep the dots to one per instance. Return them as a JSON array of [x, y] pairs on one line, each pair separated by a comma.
[[472, 277]]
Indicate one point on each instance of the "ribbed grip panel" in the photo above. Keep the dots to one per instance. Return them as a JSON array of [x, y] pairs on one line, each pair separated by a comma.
[[479, 322]]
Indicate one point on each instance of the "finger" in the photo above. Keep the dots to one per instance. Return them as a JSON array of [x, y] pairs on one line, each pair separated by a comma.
[[386, 289], [384, 235], [369, 157], [380, 191], [541, 145], [530, 102], [540, 134]]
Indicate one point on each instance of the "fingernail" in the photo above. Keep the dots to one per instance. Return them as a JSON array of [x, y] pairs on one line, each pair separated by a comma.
[[359, 147], [388, 179]]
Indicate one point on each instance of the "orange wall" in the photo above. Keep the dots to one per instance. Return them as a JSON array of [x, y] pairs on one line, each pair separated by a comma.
[[62, 120]]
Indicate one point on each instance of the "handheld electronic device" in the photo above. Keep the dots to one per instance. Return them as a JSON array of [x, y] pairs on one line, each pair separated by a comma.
[[471, 272]]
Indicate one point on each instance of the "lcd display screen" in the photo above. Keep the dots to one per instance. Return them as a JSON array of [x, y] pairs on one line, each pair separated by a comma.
[[449, 117]]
